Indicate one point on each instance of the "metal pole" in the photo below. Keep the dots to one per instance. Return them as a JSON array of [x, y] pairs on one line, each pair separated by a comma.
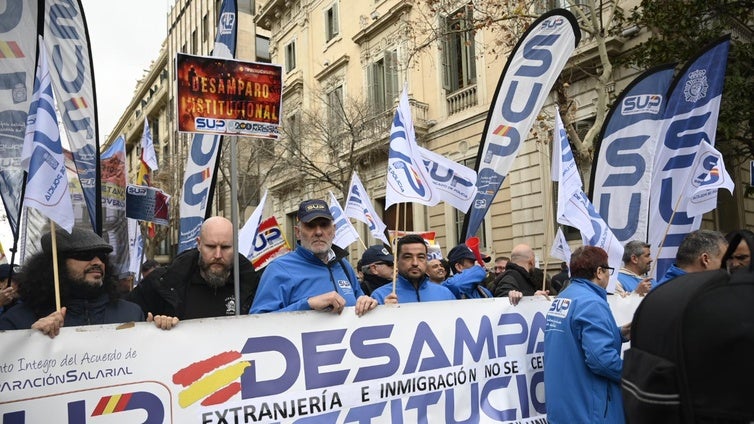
[[234, 218]]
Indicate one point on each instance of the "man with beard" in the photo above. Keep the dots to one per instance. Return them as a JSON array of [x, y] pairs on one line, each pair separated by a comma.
[[199, 282], [412, 284], [315, 276], [87, 287]]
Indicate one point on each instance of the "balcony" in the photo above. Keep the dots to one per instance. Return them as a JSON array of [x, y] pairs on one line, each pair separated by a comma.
[[462, 99]]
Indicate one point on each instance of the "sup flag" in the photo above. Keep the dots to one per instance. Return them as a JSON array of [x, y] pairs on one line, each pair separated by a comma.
[[453, 182], [708, 174], [560, 248], [201, 162], [42, 155], [622, 170], [407, 179], [345, 233], [525, 83], [359, 207], [269, 243], [147, 204], [574, 207], [690, 118], [249, 230]]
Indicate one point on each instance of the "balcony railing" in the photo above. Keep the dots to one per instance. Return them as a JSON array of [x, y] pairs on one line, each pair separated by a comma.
[[462, 99]]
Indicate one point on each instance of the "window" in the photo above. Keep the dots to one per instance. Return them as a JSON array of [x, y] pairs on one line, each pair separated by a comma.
[[263, 49], [460, 216], [293, 132], [331, 22], [290, 56], [382, 78], [458, 53], [335, 106], [205, 28], [194, 42]]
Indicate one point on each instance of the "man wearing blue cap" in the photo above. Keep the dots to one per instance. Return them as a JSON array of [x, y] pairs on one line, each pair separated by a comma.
[[316, 275], [377, 267], [468, 277]]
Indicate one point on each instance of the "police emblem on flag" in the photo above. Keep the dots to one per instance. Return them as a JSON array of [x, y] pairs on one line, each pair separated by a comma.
[[696, 86]]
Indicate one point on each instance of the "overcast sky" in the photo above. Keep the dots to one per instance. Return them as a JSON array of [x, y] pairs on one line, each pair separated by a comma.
[[126, 37]]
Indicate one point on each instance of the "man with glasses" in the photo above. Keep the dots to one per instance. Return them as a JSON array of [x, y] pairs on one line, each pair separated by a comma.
[[8, 286], [377, 267], [583, 346], [87, 287]]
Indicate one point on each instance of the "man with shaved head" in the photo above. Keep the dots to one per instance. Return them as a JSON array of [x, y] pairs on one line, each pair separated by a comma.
[[199, 282], [516, 281]]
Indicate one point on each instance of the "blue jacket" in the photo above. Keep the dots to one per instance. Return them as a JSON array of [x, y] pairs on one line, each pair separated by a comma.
[[671, 273], [467, 284], [630, 282], [289, 281], [582, 357], [427, 291]]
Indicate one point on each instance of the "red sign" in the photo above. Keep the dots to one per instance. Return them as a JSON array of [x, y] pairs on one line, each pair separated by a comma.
[[224, 96]]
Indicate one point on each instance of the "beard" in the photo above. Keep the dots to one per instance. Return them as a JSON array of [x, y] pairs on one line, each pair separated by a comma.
[[212, 277], [79, 288]]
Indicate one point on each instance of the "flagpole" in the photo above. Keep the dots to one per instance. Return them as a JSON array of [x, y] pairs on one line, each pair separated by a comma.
[[55, 271], [544, 269], [395, 245], [665, 235], [234, 219]]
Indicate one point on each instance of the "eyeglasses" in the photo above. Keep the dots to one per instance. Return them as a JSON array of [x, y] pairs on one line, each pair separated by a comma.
[[609, 270], [88, 256]]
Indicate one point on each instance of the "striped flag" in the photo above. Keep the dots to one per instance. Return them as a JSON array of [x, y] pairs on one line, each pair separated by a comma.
[[407, 179], [42, 156]]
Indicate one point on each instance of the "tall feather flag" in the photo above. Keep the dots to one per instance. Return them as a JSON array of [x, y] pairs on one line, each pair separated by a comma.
[[345, 233], [201, 166], [248, 232], [525, 83], [67, 35], [359, 207], [574, 207], [147, 164], [622, 171], [690, 118], [42, 156], [407, 179], [707, 175]]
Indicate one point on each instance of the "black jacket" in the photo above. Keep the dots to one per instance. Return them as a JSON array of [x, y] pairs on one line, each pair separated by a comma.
[[515, 277], [164, 290], [101, 310]]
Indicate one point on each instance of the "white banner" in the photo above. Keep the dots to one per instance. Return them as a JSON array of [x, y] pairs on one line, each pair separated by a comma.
[[359, 207], [345, 233], [453, 182], [475, 360]]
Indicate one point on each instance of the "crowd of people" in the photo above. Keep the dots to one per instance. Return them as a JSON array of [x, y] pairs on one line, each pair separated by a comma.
[[317, 276]]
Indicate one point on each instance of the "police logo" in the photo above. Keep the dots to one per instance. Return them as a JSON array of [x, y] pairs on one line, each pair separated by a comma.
[[345, 285], [696, 86]]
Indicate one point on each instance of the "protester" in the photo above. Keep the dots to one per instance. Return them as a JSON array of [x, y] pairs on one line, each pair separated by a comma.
[[147, 267], [500, 263], [637, 261], [436, 271], [316, 275], [199, 283], [8, 287], [516, 281], [741, 257], [701, 250], [468, 277], [583, 346], [412, 283], [87, 287], [559, 281], [377, 268]]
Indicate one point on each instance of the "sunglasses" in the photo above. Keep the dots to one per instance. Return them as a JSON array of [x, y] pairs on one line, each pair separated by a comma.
[[88, 256]]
